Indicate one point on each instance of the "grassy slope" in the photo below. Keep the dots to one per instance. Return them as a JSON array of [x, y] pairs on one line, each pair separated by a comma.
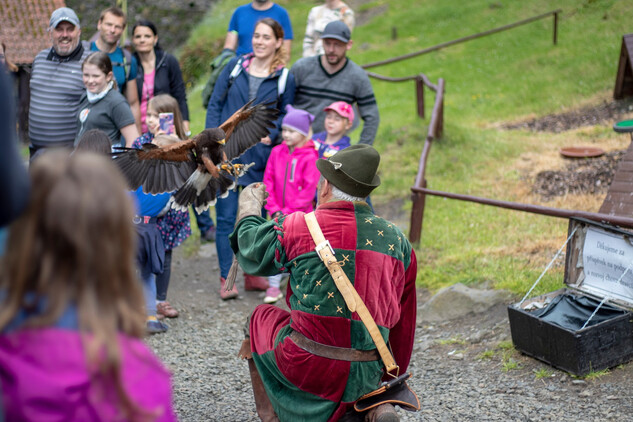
[[504, 77]]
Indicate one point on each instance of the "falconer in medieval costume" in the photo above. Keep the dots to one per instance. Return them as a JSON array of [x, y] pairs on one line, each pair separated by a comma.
[[314, 362]]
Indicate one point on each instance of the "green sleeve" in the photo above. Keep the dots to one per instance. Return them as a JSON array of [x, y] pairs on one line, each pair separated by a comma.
[[254, 243]]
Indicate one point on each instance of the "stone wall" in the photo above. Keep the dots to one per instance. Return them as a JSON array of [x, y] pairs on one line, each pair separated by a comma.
[[173, 19]]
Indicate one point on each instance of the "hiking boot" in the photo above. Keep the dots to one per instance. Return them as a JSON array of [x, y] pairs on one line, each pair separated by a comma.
[[273, 294], [255, 283], [231, 294], [383, 413]]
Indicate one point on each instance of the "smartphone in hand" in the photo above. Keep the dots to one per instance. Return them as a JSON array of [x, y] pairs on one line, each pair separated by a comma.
[[166, 123]]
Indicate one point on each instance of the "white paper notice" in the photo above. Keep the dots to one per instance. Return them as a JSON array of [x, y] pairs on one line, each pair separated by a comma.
[[606, 257]]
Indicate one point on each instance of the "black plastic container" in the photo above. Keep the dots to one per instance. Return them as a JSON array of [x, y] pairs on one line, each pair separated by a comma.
[[598, 265]]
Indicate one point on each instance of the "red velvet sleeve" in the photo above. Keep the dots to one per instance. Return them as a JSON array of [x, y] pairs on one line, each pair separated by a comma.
[[401, 336]]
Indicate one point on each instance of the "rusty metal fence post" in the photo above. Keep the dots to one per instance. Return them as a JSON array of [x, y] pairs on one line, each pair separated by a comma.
[[419, 90], [556, 26]]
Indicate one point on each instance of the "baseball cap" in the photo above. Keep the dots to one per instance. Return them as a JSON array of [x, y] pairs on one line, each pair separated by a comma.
[[63, 14], [338, 31], [343, 109]]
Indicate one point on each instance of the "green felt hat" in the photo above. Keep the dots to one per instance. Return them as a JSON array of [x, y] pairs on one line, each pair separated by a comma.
[[352, 170]]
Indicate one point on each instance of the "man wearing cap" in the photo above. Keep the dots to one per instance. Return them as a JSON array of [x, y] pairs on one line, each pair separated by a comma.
[[290, 382], [57, 84], [331, 77], [110, 27]]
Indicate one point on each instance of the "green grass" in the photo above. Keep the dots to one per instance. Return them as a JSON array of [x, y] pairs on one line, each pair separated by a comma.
[[505, 77], [454, 340], [543, 373], [594, 375]]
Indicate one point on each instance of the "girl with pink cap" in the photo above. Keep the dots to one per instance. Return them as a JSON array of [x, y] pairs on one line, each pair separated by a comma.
[[338, 120]]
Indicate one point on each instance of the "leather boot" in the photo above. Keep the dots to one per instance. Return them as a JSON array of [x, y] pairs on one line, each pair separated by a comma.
[[264, 408], [252, 282], [383, 413], [231, 294]]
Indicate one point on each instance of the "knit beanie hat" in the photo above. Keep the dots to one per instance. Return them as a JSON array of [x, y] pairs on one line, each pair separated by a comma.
[[296, 119]]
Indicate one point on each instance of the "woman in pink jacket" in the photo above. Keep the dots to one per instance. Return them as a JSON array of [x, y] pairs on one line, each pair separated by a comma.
[[291, 176]]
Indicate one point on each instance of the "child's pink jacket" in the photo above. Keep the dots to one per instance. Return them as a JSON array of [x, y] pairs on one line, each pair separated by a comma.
[[291, 178]]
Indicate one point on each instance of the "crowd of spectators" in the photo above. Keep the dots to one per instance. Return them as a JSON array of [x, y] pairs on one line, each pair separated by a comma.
[[90, 96]]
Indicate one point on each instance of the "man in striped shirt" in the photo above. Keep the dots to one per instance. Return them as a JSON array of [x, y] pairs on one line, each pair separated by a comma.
[[332, 76], [57, 84]]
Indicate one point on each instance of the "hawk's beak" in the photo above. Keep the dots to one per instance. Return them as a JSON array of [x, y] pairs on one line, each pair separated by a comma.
[[222, 142]]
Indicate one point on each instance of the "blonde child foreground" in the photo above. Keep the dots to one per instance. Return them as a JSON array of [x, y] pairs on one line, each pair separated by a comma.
[[71, 326], [291, 176]]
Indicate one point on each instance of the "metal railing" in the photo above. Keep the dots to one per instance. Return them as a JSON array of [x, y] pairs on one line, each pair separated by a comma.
[[553, 13], [436, 125]]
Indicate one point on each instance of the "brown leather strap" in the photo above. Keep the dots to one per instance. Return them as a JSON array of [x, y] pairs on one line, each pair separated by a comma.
[[350, 295], [333, 352]]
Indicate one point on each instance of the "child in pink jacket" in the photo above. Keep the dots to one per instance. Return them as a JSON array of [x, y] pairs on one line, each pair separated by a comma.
[[291, 175]]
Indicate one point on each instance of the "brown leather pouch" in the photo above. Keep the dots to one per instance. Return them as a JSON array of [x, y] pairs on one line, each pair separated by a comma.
[[395, 391]]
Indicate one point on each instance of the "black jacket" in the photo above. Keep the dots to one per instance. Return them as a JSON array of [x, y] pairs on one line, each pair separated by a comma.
[[167, 80]]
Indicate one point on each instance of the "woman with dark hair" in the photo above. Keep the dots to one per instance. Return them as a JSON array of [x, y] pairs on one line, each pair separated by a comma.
[[159, 72], [102, 106], [260, 76], [71, 326]]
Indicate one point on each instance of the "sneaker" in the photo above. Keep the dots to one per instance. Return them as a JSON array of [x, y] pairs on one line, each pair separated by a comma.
[[154, 326], [166, 310], [231, 294], [252, 282], [209, 235], [273, 294]]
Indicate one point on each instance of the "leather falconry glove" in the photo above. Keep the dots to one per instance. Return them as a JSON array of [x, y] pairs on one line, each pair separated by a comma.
[[251, 201]]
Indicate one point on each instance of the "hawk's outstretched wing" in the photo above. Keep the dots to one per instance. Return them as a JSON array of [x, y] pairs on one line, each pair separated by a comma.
[[247, 126], [157, 169]]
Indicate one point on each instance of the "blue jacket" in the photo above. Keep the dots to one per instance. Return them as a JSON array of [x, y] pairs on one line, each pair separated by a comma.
[[223, 104]]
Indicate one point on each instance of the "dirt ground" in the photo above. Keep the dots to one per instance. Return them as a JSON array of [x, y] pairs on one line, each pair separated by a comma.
[[576, 176]]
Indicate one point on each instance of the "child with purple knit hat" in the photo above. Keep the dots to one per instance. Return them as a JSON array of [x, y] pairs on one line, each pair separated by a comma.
[[291, 176]]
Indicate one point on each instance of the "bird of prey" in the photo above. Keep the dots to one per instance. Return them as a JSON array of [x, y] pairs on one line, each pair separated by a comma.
[[199, 169]]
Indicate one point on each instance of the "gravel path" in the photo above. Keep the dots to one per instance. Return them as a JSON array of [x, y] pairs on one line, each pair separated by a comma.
[[462, 370]]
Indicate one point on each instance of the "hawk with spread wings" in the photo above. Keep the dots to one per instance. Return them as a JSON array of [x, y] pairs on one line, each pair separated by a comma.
[[199, 169]]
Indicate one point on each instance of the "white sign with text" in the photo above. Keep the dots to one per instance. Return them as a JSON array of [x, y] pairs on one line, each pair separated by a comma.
[[606, 257]]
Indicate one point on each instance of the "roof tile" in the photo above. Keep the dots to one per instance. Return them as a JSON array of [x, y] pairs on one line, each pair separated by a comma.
[[23, 25]]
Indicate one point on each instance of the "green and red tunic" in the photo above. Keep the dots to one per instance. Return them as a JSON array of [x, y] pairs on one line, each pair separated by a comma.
[[379, 261]]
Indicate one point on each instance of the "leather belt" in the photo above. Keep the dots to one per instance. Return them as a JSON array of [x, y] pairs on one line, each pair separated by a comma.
[[333, 352]]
